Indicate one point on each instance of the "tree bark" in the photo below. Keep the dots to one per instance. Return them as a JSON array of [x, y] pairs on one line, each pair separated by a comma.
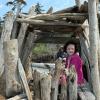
[[11, 57], [93, 47]]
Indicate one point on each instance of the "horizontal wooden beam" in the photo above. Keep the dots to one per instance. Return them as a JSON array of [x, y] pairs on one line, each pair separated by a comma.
[[41, 22], [77, 16], [55, 29], [54, 40]]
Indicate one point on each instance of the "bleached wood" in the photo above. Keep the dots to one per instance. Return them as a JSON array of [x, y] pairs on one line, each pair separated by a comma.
[[55, 79], [23, 30], [24, 80], [37, 76], [17, 97], [93, 47], [6, 33], [72, 84], [45, 84], [42, 22], [13, 85]]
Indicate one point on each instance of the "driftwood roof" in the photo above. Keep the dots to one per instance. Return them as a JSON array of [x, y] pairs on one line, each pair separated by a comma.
[[68, 20]]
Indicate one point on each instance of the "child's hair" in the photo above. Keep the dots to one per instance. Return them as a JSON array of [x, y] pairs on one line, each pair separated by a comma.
[[71, 42]]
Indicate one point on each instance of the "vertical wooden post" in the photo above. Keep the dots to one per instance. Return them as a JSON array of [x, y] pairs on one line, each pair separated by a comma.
[[11, 57], [36, 83], [98, 39], [45, 84], [93, 47], [55, 79], [72, 84], [63, 95], [6, 33]]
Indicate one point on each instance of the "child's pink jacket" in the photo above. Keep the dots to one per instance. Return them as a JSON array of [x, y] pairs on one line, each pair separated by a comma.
[[77, 62]]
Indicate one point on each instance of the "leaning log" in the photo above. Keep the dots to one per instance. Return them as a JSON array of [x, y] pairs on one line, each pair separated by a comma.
[[26, 51], [11, 57], [22, 41], [23, 30], [92, 9], [24, 80]]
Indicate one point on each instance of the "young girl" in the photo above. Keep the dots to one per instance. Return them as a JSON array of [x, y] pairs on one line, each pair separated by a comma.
[[74, 59]]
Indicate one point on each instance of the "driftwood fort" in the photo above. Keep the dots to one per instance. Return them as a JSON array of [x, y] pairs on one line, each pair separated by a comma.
[[19, 36]]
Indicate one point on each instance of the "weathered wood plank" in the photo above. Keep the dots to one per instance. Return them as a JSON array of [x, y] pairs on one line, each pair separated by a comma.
[[24, 80]]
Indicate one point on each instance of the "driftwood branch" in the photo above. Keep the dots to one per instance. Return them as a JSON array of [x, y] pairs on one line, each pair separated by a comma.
[[24, 80], [18, 97]]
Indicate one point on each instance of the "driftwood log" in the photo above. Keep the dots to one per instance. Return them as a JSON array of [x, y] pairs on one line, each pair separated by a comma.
[[13, 85], [45, 84], [23, 30], [6, 32], [72, 84], [92, 9], [55, 79], [63, 95], [36, 85]]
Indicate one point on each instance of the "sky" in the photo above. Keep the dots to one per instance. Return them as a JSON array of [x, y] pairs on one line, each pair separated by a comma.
[[56, 4]]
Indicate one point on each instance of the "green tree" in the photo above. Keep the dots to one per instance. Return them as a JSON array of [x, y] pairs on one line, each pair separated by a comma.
[[39, 9]]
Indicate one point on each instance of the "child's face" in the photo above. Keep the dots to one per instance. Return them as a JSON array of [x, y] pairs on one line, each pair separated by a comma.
[[70, 49]]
